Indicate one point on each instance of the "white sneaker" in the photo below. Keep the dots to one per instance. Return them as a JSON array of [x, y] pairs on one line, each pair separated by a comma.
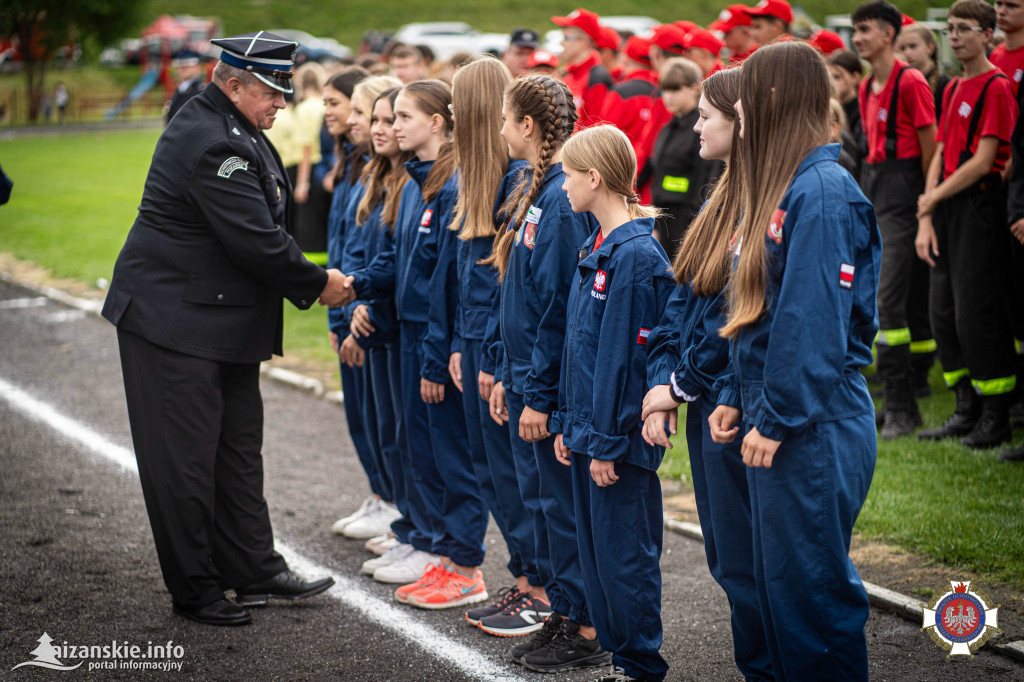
[[407, 570], [393, 555], [377, 521], [382, 543], [339, 526]]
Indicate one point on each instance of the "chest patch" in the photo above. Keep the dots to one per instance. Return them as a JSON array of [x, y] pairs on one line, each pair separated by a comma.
[[425, 220], [533, 215], [964, 110], [231, 164], [600, 280], [775, 226], [530, 235]]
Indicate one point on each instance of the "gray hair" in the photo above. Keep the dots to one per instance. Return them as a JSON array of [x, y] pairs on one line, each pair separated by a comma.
[[223, 72]]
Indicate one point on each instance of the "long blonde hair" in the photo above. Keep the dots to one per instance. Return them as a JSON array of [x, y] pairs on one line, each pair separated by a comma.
[[607, 150], [548, 101], [703, 259], [784, 89], [480, 152]]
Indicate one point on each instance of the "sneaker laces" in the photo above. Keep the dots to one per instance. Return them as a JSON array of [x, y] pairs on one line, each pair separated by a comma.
[[546, 634], [506, 597], [515, 607]]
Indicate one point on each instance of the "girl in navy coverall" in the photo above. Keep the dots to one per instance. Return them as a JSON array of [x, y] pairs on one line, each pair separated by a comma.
[[619, 291], [686, 356], [536, 258], [802, 318]]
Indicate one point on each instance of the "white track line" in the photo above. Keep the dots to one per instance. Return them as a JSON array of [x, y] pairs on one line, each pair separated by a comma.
[[471, 662]]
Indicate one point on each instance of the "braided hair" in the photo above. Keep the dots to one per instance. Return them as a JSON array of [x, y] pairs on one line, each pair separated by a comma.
[[548, 101]]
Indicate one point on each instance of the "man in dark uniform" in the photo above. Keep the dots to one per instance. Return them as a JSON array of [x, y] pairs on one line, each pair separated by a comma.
[[197, 300], [190, 80]]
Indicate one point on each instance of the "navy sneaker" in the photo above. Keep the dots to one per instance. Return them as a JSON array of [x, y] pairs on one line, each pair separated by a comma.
[[567, 651], [540, 639], [525, 615], [503, 600]]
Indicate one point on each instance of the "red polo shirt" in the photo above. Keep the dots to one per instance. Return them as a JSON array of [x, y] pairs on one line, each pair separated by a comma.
[[998, 115], [915, 109], [1011, 62], [589, 82]]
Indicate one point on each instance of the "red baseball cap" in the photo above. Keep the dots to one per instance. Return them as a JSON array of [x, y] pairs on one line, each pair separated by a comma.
[[639, 50], [583, 19], [779, 9], [687, 26], [729, 18], [542, 58], [610, 39], [907, 20], [827, 42], [668, 37], [704, 39]]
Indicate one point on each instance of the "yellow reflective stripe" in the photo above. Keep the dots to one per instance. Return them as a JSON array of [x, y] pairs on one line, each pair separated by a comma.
[[893, 337], [672, 183], [318, 257], [994, 386], [928, 346], [951, 378]]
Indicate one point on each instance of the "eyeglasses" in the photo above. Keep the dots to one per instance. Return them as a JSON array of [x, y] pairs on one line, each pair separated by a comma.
[[569, 39], [951, 30]]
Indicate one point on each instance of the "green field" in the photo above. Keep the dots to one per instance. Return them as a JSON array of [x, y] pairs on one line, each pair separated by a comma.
[[75, 197]]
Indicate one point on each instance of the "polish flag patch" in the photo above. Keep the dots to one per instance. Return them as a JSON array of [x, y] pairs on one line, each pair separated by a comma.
[[641, 338], [775, 226], [846, 275], [599, 280], [427, 215]]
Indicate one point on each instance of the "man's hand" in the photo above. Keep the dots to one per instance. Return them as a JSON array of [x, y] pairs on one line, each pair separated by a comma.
[[562, 453], [486, 383], [533, 425], [499, 411], [654, 427], [351, 353], [431, 392], [338, 291], [455, 369], [360, 324], [603, 472], [723, 424], [757, 450]]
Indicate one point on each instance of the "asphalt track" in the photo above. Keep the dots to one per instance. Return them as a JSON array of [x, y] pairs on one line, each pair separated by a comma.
[[78, 561]]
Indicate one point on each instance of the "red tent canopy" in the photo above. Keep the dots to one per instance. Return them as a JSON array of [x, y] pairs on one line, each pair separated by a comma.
[[165, 28]]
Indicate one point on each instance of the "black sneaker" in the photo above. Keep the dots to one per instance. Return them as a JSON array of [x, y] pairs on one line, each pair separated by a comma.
[[617, 674], [503, 600], [567, 651], [519, 618], [540, 639]]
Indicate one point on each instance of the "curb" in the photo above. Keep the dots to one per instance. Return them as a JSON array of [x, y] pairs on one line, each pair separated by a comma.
[[284, 376], [908, 608]]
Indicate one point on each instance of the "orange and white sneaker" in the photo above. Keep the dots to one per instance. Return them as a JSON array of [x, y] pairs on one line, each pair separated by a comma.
[[432, 573], [453, 589]]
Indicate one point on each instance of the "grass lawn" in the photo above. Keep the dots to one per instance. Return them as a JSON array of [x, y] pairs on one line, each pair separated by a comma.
[[75, 197]]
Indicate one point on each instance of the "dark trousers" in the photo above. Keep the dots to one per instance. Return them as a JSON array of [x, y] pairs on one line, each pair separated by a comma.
[[355, 387], [893, 188], [379, 417], [620, 530], [197, 426], [970, 289]]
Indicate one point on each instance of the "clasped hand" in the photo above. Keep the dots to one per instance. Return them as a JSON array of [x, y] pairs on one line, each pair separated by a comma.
[[339, 290]]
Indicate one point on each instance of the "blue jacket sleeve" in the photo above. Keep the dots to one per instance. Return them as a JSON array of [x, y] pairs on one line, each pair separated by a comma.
[[377, 280], [663, 343], [444, 295], [553, 263], [493, 350], [705, 354], [803, 368]]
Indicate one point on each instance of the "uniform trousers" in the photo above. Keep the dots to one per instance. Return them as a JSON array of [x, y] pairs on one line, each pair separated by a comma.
[[546, 489], [362, 428], [197, 427], [387, 391]]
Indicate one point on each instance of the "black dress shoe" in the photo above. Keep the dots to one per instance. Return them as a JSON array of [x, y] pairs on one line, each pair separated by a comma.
[[1012, 455], [220, 612], [284, 585]]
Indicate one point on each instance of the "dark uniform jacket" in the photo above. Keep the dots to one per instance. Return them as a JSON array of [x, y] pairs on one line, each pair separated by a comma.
[[207, 261], [178, 99]]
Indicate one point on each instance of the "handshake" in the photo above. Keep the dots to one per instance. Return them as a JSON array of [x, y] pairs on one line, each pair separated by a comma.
[[339, 290]]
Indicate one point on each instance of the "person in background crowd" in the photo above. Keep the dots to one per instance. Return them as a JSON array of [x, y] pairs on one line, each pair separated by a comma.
[[845, 68], [608, 47], [806, 256], [837, 133], [587, 79], [916, 43], [826, 42], [615, 484], [898, 115], [631, 102], [676, 173], [667, 41], [188, 69], [962, 235], [521, 45], [1009, 55], [407, 64], [734, 26], [703, 48], [61, 99], [313, 202], [770, 20], [543, 62]]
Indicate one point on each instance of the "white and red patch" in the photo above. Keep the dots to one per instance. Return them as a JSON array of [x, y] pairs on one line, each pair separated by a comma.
[[775, 226], [530, 235], [427, 215], [846, 275], [600, 279], [641, 338]]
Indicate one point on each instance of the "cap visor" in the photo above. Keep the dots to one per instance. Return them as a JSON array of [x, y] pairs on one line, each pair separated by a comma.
[[282, 84]]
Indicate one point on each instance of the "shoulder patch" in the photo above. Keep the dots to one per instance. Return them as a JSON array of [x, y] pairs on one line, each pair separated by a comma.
[[232, 164]]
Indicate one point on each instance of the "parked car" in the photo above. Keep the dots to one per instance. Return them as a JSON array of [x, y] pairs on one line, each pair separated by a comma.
[[637, 25], [446, 38], [312, 48]]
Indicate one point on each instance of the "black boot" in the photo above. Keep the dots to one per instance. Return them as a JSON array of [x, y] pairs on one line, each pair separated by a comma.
[[901, 413], [993, 428], [1012, 455], [964, 417]]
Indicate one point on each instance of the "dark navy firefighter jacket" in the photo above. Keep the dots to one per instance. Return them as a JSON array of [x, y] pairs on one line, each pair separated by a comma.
[[618, 296]]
